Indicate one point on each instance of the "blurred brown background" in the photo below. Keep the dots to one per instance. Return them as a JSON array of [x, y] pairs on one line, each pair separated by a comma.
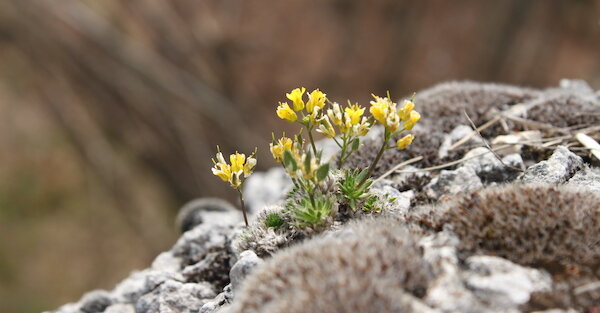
[[110, 110]]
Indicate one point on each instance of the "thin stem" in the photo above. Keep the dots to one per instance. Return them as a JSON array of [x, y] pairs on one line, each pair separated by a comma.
[[312, 141], [379, 154], [311, 194], [243, 206], [337, 142], [343, 154], [308, 190]]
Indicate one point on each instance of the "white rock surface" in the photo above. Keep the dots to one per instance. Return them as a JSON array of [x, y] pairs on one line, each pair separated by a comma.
[[247, 262], [502, 283], [556, 170]]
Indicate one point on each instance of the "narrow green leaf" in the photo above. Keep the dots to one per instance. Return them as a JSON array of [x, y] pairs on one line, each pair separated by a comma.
[[362, 175], [323, 171], [307, 160], [355, 144], [288, 161]]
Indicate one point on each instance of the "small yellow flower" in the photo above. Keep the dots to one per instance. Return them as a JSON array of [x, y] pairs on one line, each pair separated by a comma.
[[315, 99], [412, 120], [354, 113], [284, 143], [296, 97], [392, 121], [284, 112], [407, 107], [249, 166], [316, 115], [232, 173], [403, 142], [335, 114], [221, 168], [361, 129], [380, 108], [237, 161], [326, 128]]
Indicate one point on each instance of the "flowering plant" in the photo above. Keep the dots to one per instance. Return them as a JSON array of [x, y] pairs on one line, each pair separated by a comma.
[[312, 198], [235, 173]]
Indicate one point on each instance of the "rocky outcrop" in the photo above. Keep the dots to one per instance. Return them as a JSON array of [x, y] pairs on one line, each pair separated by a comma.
[[464, 230]]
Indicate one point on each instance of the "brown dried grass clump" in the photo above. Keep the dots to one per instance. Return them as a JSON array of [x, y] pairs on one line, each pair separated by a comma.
[[550, 227], [555, 228]]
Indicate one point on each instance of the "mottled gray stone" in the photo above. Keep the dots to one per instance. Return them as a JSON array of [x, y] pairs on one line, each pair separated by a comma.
[[131, 288], [588, 178], [490, 169], [503, 284], [174, 296], [167, 262], [392, 201], [120, 308], [266, 188], [218, 304], [247, 262], [95, 301], [458, 133], [463, 179], [559, 168], [193, 245], [207, 210]]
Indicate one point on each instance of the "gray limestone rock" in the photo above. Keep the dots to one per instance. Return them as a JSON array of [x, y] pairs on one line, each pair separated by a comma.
[[459, 132], [167, 262], [193, 245], [463, 179], [174, 296], [207, 210], [266, 188], [492, 170], [95, 301], [559, 168], [586, 178], [503, 284], [247, 262], [120, 308]]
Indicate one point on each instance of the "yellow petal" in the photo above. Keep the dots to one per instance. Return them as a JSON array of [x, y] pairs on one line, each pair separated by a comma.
[[223, 171], [354, 112], [237, 161], [284, 112], [406, 109], [315, 99], [413, 119], [403, 142], [249, 166], [326, 128], [296, 97]]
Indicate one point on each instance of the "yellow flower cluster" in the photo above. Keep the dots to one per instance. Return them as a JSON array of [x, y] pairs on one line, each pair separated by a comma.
[[303, 168], [234, 173], [316, 102], [279, 147], [384, 111], [348, 121]]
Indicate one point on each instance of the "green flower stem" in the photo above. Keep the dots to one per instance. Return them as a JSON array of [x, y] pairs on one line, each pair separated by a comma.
[[379, 154], [312, 141], [337, 142], [343, 153], [309, 191], [243, 206]]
